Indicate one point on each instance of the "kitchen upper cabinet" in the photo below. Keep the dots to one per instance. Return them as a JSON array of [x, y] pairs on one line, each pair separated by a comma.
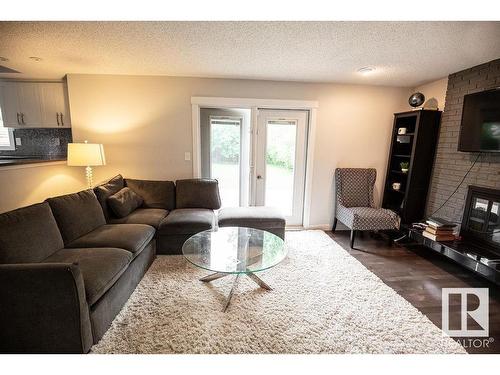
[[10, 105], [35, 105], [29, 104], [55, 111]]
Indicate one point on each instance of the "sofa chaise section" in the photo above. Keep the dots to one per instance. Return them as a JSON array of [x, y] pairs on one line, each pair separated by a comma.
[[265, 218]]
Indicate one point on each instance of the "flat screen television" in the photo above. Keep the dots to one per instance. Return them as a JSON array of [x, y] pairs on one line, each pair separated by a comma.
[[480, 128]]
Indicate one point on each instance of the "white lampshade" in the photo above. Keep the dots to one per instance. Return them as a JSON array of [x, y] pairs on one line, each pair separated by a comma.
[[86, 154]]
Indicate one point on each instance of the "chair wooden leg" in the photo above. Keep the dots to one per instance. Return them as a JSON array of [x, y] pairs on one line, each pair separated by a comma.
[[353, 234], [334, 224]]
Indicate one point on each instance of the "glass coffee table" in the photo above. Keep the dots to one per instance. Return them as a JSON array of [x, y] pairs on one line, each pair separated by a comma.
[[234, 251]]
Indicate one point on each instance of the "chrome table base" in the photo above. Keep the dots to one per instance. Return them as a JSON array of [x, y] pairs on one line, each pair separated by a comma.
[[218, 275]]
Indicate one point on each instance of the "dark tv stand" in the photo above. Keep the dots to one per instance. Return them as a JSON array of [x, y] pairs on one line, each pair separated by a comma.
[[482, 261], [478, 250]]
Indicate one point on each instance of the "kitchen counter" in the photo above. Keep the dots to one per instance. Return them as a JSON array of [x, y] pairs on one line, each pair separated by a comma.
[[8, 161]]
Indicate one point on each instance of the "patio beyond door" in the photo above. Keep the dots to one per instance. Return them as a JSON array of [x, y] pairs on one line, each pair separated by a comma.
[[280, 162]]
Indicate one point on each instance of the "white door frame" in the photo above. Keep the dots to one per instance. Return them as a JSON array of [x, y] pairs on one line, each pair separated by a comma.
[[198, 102]]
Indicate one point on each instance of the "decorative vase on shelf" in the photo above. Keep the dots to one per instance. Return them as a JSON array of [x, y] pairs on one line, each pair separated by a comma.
[[404, 166]]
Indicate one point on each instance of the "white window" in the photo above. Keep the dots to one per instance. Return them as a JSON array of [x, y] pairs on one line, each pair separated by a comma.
[[6, 137]]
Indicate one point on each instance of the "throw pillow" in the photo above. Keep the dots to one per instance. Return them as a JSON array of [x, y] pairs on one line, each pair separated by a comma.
[[124, 202]]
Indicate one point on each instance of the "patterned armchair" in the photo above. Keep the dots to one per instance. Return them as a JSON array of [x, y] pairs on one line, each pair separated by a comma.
[[354, 202]]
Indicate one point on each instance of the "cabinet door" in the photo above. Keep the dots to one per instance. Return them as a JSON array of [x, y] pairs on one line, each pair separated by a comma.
[[51, 107], [54, 105], [64, 105], [29, 104], [10, 105]]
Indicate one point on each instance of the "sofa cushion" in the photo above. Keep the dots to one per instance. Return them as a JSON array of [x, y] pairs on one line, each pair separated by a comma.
[[149, 216], [156, 194], [124, 202], [29, 234], [187, 221], [264, 218], [131, 237], [197, 193], [104, 191], [252, 217], [77, 214], [100, 267]]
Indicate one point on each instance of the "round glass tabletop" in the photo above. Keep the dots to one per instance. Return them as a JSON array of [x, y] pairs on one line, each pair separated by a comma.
[[234, 250]]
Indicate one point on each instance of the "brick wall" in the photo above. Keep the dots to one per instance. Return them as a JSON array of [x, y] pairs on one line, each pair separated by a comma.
[[451, 165]]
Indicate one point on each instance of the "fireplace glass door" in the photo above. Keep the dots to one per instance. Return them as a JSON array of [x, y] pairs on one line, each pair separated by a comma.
[[482, 216]]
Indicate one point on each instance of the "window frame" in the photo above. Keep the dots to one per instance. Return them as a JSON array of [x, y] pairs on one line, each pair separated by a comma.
[[12, 145]]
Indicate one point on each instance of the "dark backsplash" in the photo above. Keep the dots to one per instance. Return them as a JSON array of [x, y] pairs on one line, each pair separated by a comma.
[[41, 142]]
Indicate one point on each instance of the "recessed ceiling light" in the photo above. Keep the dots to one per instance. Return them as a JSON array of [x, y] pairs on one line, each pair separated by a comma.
[[34, 58], [3, 59], [366, 70]]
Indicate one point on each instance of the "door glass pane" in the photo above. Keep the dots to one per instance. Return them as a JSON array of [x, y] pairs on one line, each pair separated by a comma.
[[225, 149], [280, 164]]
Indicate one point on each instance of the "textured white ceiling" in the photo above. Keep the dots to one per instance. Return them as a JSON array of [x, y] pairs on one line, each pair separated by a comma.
[[403, 53]]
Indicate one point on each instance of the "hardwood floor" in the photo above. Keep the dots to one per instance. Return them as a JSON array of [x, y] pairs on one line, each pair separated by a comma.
[[418, 275]]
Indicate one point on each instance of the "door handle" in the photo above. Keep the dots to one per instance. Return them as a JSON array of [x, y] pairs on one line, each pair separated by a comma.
[[57, 117], [22, 118], [259, 177], [18, 122], [62, 121]]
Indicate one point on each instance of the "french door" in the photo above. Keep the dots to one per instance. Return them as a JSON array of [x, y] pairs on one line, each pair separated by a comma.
[[226, 152], [280, 162]]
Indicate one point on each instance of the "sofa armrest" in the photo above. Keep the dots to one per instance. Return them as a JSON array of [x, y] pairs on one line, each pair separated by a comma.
[[43, 309]]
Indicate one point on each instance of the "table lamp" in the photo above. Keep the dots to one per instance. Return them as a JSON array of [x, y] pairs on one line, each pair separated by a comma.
[[86, 155]]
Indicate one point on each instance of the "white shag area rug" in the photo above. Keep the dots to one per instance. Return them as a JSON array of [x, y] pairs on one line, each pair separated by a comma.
[[323, 301]]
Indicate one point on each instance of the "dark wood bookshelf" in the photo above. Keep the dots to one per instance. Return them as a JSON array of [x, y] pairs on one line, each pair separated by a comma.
[[418, 148]]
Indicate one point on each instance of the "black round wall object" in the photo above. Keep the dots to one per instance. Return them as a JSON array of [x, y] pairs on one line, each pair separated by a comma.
[[416, 99]]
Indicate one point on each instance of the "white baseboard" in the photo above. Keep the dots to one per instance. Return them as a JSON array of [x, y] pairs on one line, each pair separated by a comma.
[[327, 227], [319, 226]]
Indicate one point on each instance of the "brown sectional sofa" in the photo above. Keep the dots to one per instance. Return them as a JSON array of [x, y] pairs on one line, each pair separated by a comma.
[[69, 264]]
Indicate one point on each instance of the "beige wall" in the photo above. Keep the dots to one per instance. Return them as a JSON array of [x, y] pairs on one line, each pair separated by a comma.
[[28, 185], [144, 123], [434, 90]]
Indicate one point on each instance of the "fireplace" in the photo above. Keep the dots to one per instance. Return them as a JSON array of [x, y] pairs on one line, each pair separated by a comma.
[[481, 218]]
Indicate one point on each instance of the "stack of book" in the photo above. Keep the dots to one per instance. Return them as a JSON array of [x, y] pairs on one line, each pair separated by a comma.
[[438, 229]]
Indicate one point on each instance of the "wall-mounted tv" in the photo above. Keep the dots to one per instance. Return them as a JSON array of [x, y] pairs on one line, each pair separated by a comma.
[[480, 128]]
